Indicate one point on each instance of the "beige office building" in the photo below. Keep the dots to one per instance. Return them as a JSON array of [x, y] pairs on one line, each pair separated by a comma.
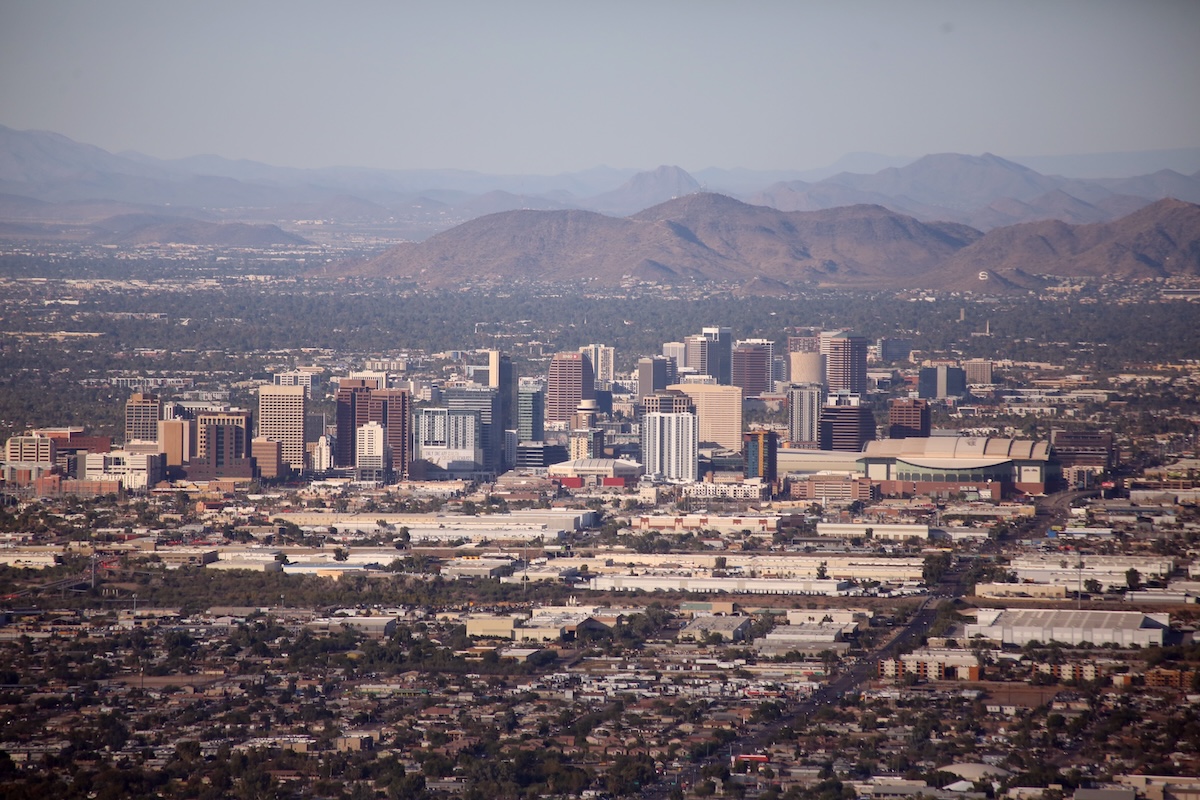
[[719, 413], [281, 414]]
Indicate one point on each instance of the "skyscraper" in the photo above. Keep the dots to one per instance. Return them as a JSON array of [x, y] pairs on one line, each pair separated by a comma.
[[175, 441], [142, 413], [486, 403], [720, 353], [569, 381], [846, 424], [845, 362], [281, 414], [372, 456], [761, 455], [531, 410], [359, 402], [718, 413], [502, 377], [449, 438], [392, 409], [235, 417], [602, 359], [710, 352], [908, 418], [677, 352], [670, 446], [653, 375], [668, 402], [751, 368], [804, 414], [353, 409]]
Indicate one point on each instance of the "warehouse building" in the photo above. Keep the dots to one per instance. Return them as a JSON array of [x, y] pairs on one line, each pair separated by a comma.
[[1022, 626]]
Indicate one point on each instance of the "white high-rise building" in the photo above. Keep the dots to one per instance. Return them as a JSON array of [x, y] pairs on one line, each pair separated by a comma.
[[676, 351], [602, 357], [670, 446], [450, 438], [323, 454], [804, 414], [371, 451]]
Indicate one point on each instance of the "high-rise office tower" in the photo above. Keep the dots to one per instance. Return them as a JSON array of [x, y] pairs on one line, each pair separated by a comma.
[[696, 354], [569, 381], [677, 352], [751, 368], [281, 415], [668, 402], [142, 413], [804, 414], [602, 358], [670, 446], [175, 441], [235, 417], [710, 352], [449, 438], [353, 411], [502, 377], [585, 443], [846, 424], [941, 382], [761, 450], [486, 403], [268, 458], [531, 409], [372, 454], [845, 362], [585, 415], [908, 418], [226, 454], [720, 353], [392, 409], [652, 375], [718, 412], [891, 349]]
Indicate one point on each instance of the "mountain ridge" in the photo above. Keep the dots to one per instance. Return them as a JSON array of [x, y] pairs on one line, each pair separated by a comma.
[[712, 237]]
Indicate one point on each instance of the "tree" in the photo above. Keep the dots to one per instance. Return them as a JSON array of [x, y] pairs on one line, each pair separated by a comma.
[[1133, 579], [822, 571], [1093, 586]]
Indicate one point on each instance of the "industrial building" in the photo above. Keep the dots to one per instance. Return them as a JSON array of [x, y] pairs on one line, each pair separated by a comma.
[[1022, 626]]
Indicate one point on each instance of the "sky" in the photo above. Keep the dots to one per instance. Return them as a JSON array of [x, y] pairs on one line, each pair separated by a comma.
[[528, 87]]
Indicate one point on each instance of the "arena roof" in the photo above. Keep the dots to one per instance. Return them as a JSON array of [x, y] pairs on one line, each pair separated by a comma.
[[955, 451]]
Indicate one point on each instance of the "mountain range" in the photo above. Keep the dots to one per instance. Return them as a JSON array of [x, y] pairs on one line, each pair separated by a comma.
[[709, 237], [938, 220]]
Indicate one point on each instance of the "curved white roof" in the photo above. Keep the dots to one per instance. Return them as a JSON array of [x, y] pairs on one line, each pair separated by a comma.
[[985, 451]]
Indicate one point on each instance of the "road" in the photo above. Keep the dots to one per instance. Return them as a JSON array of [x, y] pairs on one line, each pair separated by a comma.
[[1053, 509], [844, 683]]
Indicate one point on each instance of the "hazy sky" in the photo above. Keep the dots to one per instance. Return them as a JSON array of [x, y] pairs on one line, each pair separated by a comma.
[[544, 87]]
